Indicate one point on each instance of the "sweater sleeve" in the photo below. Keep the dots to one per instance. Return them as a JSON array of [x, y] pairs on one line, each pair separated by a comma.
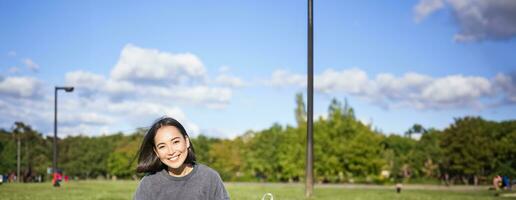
[[143, 191], [220, 190]]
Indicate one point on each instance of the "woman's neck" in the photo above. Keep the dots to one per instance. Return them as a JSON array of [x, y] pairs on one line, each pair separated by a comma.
[[184, 170]]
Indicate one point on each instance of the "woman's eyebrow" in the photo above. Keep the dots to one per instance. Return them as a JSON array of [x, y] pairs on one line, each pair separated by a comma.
[[170, 140]]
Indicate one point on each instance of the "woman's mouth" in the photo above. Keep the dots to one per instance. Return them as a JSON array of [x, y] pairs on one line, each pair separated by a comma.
[[174, 158]]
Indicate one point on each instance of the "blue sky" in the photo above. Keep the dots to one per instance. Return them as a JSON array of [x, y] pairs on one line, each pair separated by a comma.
[[225, 67]]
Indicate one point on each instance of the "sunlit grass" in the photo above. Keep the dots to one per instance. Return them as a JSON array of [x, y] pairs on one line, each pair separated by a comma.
[[239, 191]]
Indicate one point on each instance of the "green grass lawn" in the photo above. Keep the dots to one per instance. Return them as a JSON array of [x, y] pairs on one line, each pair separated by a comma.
[[238, 191]]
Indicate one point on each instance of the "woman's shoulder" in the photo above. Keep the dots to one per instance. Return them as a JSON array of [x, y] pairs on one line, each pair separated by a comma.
[[206, 171], [152, 178]]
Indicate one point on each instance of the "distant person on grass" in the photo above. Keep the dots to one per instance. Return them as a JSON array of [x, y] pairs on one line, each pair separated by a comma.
[[167, 157]]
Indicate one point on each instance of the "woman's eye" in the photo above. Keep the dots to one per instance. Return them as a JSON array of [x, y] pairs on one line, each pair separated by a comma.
[[175, 142], [161, 147]]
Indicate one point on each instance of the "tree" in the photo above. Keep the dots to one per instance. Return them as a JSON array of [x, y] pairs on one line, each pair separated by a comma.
[[469, 148], [399, 159], [427, 157], [122, 161], [415, 129], [202, 145], [227, 158], [262, 158], [300, 111], [505, 152], [7, 152]]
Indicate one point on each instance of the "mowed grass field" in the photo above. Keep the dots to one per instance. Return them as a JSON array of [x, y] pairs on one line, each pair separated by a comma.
[[105, 190]]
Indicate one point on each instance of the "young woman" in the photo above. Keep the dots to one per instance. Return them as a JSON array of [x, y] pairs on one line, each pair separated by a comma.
[[167, 157]]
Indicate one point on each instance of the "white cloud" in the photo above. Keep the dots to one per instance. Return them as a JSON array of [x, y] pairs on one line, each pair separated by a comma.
[[141, 64], [478, 20], [132, 96], [425, 8], [119, 87], [507, 84], [152, 74], [208, 96], [230, 81], [83, 80], [90, 84], [83, 129], [456, 89], [14, 70], [224, 69], [11, 53], [137, 110], [90, 118], [353, 81], [411, 90], [283, 78], [20, 86], [31, 65]]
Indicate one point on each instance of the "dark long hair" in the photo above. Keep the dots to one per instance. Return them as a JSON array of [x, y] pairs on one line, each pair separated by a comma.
[[148, 162]]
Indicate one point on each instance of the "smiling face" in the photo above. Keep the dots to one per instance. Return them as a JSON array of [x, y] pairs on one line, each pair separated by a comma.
[[171, 146]]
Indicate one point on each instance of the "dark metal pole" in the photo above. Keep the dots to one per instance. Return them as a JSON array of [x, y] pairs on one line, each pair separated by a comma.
[[18, 160], [54, 160], [309, 134]]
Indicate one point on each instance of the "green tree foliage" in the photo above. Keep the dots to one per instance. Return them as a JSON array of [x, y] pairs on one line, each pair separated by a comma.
[[472, 146], [300, 111], [122, 161], [35, 152], [202, 145], [397, 154], [291, 154], [7, 152], [262, 157], [415, 129], [427, 156], [227, 158], [345, 150], [505, 149]]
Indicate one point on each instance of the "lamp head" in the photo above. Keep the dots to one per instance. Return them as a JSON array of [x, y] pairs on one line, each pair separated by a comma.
[[68, 89]]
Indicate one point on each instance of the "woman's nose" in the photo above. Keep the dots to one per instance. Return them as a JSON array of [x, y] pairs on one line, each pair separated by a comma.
[[170, 149]]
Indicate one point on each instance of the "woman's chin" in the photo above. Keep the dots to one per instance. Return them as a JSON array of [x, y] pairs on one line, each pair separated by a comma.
[[174, 165]]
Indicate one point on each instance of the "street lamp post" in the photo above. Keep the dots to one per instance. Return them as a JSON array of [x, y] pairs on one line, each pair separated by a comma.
[[310, 89], [54, 160]]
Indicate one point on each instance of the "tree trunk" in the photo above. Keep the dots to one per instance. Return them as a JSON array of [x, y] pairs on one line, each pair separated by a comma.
[[465, 180]]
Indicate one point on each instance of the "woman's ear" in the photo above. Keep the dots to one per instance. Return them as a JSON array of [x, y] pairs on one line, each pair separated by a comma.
[[155, 152], [187, 142]]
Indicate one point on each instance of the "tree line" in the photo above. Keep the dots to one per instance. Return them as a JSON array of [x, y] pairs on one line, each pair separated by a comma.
[[469, 151]]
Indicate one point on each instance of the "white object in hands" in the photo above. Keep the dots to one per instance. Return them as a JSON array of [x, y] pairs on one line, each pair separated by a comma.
[[268, 195]]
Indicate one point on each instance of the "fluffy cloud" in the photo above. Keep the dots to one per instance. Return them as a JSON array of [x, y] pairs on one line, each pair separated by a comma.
[[230, 81], [143, 85], [425, 8], [507, 83], [456, 89], [20, 87], [13, 70], [282, 78], [142, 73], [478, 20], [85, 81], [140, 64], [31, 65], [11, 53], [352, 81], [410, 90]]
